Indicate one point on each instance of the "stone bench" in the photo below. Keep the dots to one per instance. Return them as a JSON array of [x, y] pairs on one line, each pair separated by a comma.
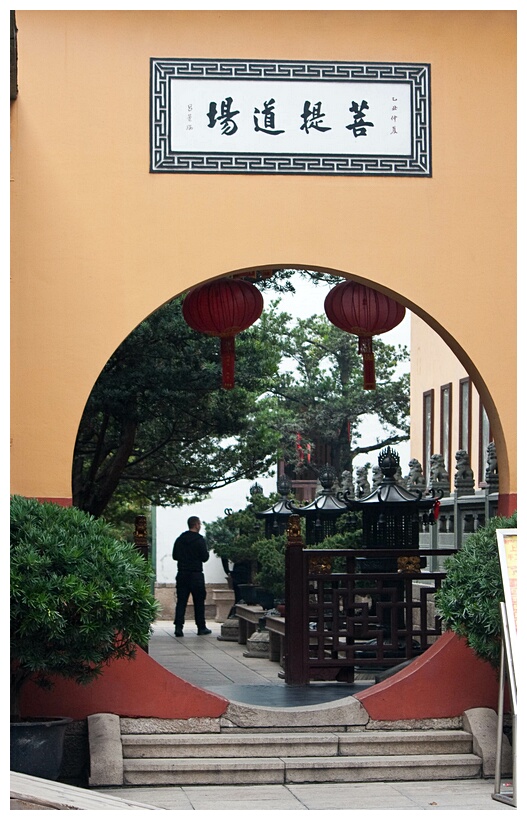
[[275, 624], [249, 620]]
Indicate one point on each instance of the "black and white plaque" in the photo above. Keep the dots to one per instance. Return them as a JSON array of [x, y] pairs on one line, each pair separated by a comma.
[[285, 117]]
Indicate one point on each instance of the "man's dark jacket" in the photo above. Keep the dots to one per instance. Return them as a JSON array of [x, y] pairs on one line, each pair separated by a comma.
[[190, 551]]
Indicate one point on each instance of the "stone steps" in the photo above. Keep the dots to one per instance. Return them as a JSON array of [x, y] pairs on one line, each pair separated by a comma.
[[298, 745], [245, 771], [301, 757]]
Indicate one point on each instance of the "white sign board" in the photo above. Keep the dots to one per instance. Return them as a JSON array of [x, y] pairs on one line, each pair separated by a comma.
[[235, 116], [508, 556]]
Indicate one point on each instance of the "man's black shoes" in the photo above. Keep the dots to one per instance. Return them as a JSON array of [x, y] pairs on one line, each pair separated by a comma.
[[178, 632], [204, 631]]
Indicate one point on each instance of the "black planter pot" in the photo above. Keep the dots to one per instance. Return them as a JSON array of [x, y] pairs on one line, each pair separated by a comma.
[[248, 594], [264, 598], [252, 595], [37, 745]]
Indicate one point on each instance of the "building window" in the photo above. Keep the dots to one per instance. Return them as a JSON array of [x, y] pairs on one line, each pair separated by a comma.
[[465, 415], [428, 431], [485, 437], [445, 444]]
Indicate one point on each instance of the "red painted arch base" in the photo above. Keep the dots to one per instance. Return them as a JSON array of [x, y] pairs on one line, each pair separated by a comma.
[[444, 682], [129, 688]]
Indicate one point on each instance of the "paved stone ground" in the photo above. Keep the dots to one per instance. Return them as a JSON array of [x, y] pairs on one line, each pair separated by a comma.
[[456, 795], [221, 667]]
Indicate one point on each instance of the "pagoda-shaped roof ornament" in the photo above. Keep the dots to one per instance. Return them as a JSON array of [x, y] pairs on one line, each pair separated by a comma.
[[277, 516], [322, 513], [327, 502], [391, 513]]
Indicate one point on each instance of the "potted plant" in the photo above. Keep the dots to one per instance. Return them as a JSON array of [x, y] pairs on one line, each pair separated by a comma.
[[270, 553], [232, 538], [79, 598], [469, 597]]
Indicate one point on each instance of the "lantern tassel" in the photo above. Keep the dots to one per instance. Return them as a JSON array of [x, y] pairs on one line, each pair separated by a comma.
[[227, 361], [368, 371], [368, 362]]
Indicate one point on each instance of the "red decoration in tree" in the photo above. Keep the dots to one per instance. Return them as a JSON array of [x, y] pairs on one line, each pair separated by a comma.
[[223, 308], [365, 312]]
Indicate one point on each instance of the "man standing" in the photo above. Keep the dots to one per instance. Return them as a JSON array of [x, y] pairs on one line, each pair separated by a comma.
[[190, 551]]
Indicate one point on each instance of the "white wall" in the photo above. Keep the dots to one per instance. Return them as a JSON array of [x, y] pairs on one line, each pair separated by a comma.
[[172, 521]]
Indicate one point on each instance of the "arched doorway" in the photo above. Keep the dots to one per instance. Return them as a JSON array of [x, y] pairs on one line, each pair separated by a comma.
[[471, 371]]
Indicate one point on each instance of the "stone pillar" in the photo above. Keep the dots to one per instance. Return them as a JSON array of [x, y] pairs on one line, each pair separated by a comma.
[[224, 600]]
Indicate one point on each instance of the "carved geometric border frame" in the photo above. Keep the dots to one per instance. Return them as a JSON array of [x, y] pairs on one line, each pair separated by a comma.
[[165, 160]]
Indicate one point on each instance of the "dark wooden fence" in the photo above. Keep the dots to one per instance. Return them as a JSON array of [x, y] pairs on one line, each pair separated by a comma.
[[353, 609]]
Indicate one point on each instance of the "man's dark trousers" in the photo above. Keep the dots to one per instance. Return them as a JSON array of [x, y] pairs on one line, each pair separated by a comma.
[[190, 583]]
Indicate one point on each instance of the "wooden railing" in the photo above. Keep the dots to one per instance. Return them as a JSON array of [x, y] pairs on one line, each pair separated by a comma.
[[353, 609]]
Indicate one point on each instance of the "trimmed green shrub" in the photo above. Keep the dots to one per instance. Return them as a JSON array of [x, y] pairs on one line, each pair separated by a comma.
[[79, 596], [270, 554], [470, 596]]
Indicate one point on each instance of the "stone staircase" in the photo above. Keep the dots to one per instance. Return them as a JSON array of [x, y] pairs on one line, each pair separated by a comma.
[[300, 757], [260, 745]]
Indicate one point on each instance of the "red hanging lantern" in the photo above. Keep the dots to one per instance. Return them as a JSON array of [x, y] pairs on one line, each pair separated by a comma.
[[365, 312], [223, 308]]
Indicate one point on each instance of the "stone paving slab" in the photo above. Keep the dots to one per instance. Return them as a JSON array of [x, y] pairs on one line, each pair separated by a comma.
[[221, 667], [473, 795]]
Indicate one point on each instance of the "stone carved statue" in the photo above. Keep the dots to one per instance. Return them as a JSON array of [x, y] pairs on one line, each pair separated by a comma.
[[376, 477], [464, 477], [491, 473], [415, 480], [363, 485], [346, 484], [399, 476], [438, 475]]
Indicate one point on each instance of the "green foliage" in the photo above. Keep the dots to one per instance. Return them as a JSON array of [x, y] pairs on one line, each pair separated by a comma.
[[79, 596], [470, 596], [340, 541], [270, 554], [122, 510], [158, 426], [323, 398], [233, 536], [240, 537]]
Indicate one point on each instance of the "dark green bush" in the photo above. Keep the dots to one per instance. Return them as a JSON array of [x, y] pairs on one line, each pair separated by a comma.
[[79, 596], [270, 555], [470, 596]]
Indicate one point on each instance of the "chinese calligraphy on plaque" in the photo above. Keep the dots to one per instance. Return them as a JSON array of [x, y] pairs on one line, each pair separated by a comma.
[[234, 116]]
